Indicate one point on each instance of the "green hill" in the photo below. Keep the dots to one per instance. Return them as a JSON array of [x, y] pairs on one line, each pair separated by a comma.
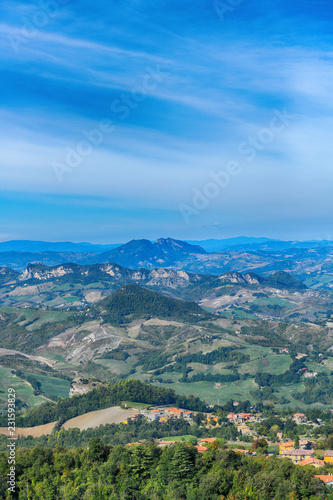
[[134, 302]]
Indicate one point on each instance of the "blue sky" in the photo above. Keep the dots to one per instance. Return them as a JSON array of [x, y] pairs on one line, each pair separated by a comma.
[[117, 115]]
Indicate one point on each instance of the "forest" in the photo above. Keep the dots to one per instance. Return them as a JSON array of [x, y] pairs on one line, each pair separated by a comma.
[[102, 472]]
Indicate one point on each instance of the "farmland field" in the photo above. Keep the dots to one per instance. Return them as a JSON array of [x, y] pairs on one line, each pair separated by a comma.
[[211, 393], [22, 388], [52, 386], [39, 430], [274, 364], [112, 415]]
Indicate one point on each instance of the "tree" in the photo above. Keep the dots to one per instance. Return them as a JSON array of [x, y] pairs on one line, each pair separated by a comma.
[[198, 418], [260, 445], [296, 442], [182, 466], [96, 450]]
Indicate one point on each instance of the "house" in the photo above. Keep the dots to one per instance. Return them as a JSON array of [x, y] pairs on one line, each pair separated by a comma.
[[153, 416], [174, 412], [327, 479], [201, 449], [310, 374], [232, 417], [312, 461], [297, 456], [210, 418], [305, 444], [244, 416], [287, 445], [300, 418], [328, 457], [245, 430], [207, 441]]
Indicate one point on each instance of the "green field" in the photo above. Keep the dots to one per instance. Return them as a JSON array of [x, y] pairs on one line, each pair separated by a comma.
[[71, 299], [272, 301], [274, 364], [115, 366], [56, 357], [52, 386], [211, 393], [23, 389], [287, 391], [180, 438], [238, 314]]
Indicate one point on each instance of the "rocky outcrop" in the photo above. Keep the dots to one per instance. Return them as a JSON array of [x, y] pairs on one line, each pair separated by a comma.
[[240, 279]]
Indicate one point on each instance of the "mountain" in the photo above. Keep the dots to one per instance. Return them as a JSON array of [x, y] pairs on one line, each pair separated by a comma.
[[73, 285], [7, 275], [312, 262], [213, 245], [19, 260], [135, 254], [105, 275], [44, 246], [244, 243], [280, 280], [134, 302]]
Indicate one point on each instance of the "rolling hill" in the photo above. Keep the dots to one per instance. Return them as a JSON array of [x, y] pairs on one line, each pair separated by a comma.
[[133, 302]]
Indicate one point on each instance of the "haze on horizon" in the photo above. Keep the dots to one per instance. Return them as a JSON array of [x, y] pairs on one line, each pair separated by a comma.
[[234, 103]]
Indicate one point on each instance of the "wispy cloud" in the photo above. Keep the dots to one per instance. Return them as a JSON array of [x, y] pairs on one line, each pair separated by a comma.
[[224, 81]]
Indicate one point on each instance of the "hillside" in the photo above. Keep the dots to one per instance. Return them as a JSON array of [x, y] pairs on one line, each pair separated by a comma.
[[280, 280], [133, 302], [105, 397]]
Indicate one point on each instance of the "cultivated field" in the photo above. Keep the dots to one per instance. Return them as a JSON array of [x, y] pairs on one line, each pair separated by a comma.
[[112, 415], [39, 430]]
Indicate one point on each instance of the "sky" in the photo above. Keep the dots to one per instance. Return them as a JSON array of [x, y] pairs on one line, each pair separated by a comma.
[[144, 119]]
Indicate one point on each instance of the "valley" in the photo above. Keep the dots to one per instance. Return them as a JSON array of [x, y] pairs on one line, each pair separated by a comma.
[[207, 335]]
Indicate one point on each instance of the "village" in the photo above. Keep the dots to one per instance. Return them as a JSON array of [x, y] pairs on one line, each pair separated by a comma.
[[301, 452]]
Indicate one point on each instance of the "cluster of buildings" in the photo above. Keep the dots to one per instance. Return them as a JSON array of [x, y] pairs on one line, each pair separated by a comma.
[[240, 420], [300, 418], [304, 455], [162, 414]]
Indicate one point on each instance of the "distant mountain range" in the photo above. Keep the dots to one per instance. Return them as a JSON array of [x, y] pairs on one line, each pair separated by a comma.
[[44, 246], [254, 244], [210, 245], [312, 262], [74, 285]]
